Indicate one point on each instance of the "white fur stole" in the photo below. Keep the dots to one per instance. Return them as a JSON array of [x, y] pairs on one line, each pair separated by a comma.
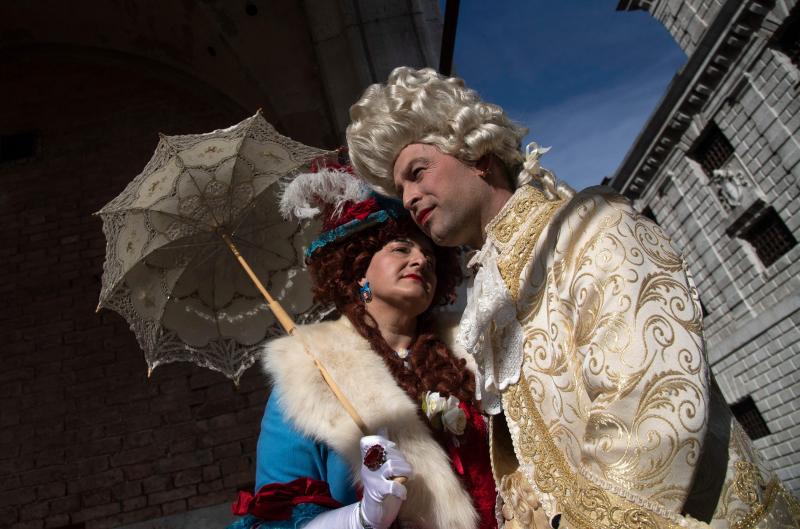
[[436, 497]]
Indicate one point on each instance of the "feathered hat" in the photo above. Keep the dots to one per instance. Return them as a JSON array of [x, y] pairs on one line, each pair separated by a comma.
[[346, 203]]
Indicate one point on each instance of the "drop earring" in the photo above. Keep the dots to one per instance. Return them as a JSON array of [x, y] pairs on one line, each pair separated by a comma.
[[365, 293]]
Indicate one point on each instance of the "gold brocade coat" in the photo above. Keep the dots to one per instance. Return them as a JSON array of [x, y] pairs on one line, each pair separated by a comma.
[[611, 414]]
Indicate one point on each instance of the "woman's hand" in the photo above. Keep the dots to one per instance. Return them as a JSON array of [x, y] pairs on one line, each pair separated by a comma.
[[383, 496]]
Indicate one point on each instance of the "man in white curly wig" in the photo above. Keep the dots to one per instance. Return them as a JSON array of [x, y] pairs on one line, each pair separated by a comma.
[[583, 320]]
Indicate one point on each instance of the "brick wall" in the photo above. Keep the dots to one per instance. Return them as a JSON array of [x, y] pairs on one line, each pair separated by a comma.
[[85, 438], [753, 326]]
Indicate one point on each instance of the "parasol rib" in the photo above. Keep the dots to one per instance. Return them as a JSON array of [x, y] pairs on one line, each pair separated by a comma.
[[288, 324]]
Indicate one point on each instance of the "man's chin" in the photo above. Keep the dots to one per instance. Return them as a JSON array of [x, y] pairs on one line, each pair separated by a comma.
[[442, 239]]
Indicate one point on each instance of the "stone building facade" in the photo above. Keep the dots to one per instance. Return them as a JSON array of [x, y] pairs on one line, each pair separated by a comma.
[[86, 440], [718, 167]]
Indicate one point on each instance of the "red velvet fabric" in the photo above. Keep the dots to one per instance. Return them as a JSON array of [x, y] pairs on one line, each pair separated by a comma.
[[275, 501], [469, 456], [350, 212], [326, 163]]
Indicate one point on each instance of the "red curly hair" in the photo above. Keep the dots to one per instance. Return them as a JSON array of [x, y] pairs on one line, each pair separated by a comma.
[[336, 269]]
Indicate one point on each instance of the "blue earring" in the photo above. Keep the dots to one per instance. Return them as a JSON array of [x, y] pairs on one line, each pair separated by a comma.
[[365, 293]]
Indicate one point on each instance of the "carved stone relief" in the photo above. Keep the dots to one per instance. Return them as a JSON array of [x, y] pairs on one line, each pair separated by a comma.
[[732, 184]]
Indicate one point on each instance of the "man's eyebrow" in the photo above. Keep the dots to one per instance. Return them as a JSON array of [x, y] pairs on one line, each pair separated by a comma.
[[405, 171], [411, 162]]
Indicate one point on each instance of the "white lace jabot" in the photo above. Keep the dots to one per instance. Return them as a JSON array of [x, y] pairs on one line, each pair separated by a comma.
[[489, 301]]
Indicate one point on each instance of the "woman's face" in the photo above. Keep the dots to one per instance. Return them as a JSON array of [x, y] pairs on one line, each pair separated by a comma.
[[402, 274]]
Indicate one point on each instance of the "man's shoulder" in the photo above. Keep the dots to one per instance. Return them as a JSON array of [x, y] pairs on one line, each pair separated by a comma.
[[536, 228], [591, 209], [601, 198], [529, 209]]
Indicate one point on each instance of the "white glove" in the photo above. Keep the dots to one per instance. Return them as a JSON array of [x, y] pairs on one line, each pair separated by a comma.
[[382, 497]]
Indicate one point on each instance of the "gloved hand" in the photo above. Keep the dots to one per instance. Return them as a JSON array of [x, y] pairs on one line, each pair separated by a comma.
[[382, 496]]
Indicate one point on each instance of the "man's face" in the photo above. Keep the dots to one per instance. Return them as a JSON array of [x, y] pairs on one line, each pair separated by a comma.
[[442, 193]]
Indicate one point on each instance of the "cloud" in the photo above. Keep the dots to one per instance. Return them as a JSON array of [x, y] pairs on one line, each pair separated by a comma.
[[591, 133]]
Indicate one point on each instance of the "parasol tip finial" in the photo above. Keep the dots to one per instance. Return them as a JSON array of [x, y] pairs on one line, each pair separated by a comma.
[[149, 371], [258, 111]]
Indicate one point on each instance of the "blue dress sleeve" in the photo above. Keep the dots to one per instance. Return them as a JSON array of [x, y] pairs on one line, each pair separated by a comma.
[[284, 454]]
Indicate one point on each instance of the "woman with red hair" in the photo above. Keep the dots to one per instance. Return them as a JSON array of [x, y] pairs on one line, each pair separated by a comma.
[[314, 468]]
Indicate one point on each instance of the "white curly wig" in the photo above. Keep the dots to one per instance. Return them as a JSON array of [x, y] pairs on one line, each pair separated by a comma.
[[422, 106]]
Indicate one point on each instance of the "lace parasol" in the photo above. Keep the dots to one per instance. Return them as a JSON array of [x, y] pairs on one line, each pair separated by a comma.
[[170, 270]]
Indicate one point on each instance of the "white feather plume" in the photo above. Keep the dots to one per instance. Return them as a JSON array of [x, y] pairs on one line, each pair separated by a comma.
[[302, 197]]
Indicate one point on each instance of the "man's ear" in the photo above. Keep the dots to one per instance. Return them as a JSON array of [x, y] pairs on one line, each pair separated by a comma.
[[484, 163], [493, 171]]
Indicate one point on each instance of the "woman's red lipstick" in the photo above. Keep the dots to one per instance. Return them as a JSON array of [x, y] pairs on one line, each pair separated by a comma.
[[413, 276]]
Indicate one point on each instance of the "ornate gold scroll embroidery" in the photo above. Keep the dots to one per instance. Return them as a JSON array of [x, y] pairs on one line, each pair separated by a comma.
[[583, 504], [521, 507], [506, 225], [513, 261], [746, 484], [587, 501]]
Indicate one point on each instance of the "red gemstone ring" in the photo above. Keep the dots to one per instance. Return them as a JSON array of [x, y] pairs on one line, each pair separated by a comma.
[[375, 457]]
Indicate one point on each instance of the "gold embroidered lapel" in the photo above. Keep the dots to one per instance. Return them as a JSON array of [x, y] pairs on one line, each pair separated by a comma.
[[583, 505]]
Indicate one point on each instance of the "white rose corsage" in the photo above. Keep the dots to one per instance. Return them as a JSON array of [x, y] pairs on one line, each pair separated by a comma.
[[444, 413]]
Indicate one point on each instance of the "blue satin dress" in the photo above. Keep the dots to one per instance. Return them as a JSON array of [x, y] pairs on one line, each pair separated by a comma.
[[284, 454]]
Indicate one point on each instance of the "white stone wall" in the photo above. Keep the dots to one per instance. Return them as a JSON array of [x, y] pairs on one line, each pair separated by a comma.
[[686, 20], [753, 325]]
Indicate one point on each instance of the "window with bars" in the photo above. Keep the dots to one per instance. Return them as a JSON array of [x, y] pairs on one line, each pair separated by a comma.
[[712, 149], [787, 37], [648, 212], [769, 236], [746, 412]]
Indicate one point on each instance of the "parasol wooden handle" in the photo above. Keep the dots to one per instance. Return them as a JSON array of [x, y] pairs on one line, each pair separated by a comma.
[[280, 314], [288, 324]]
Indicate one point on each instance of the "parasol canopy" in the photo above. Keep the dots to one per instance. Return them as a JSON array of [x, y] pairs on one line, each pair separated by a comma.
[[170, 270]]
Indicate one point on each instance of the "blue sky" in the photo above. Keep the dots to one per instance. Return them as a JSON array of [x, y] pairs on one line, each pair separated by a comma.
[[580, 75]]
